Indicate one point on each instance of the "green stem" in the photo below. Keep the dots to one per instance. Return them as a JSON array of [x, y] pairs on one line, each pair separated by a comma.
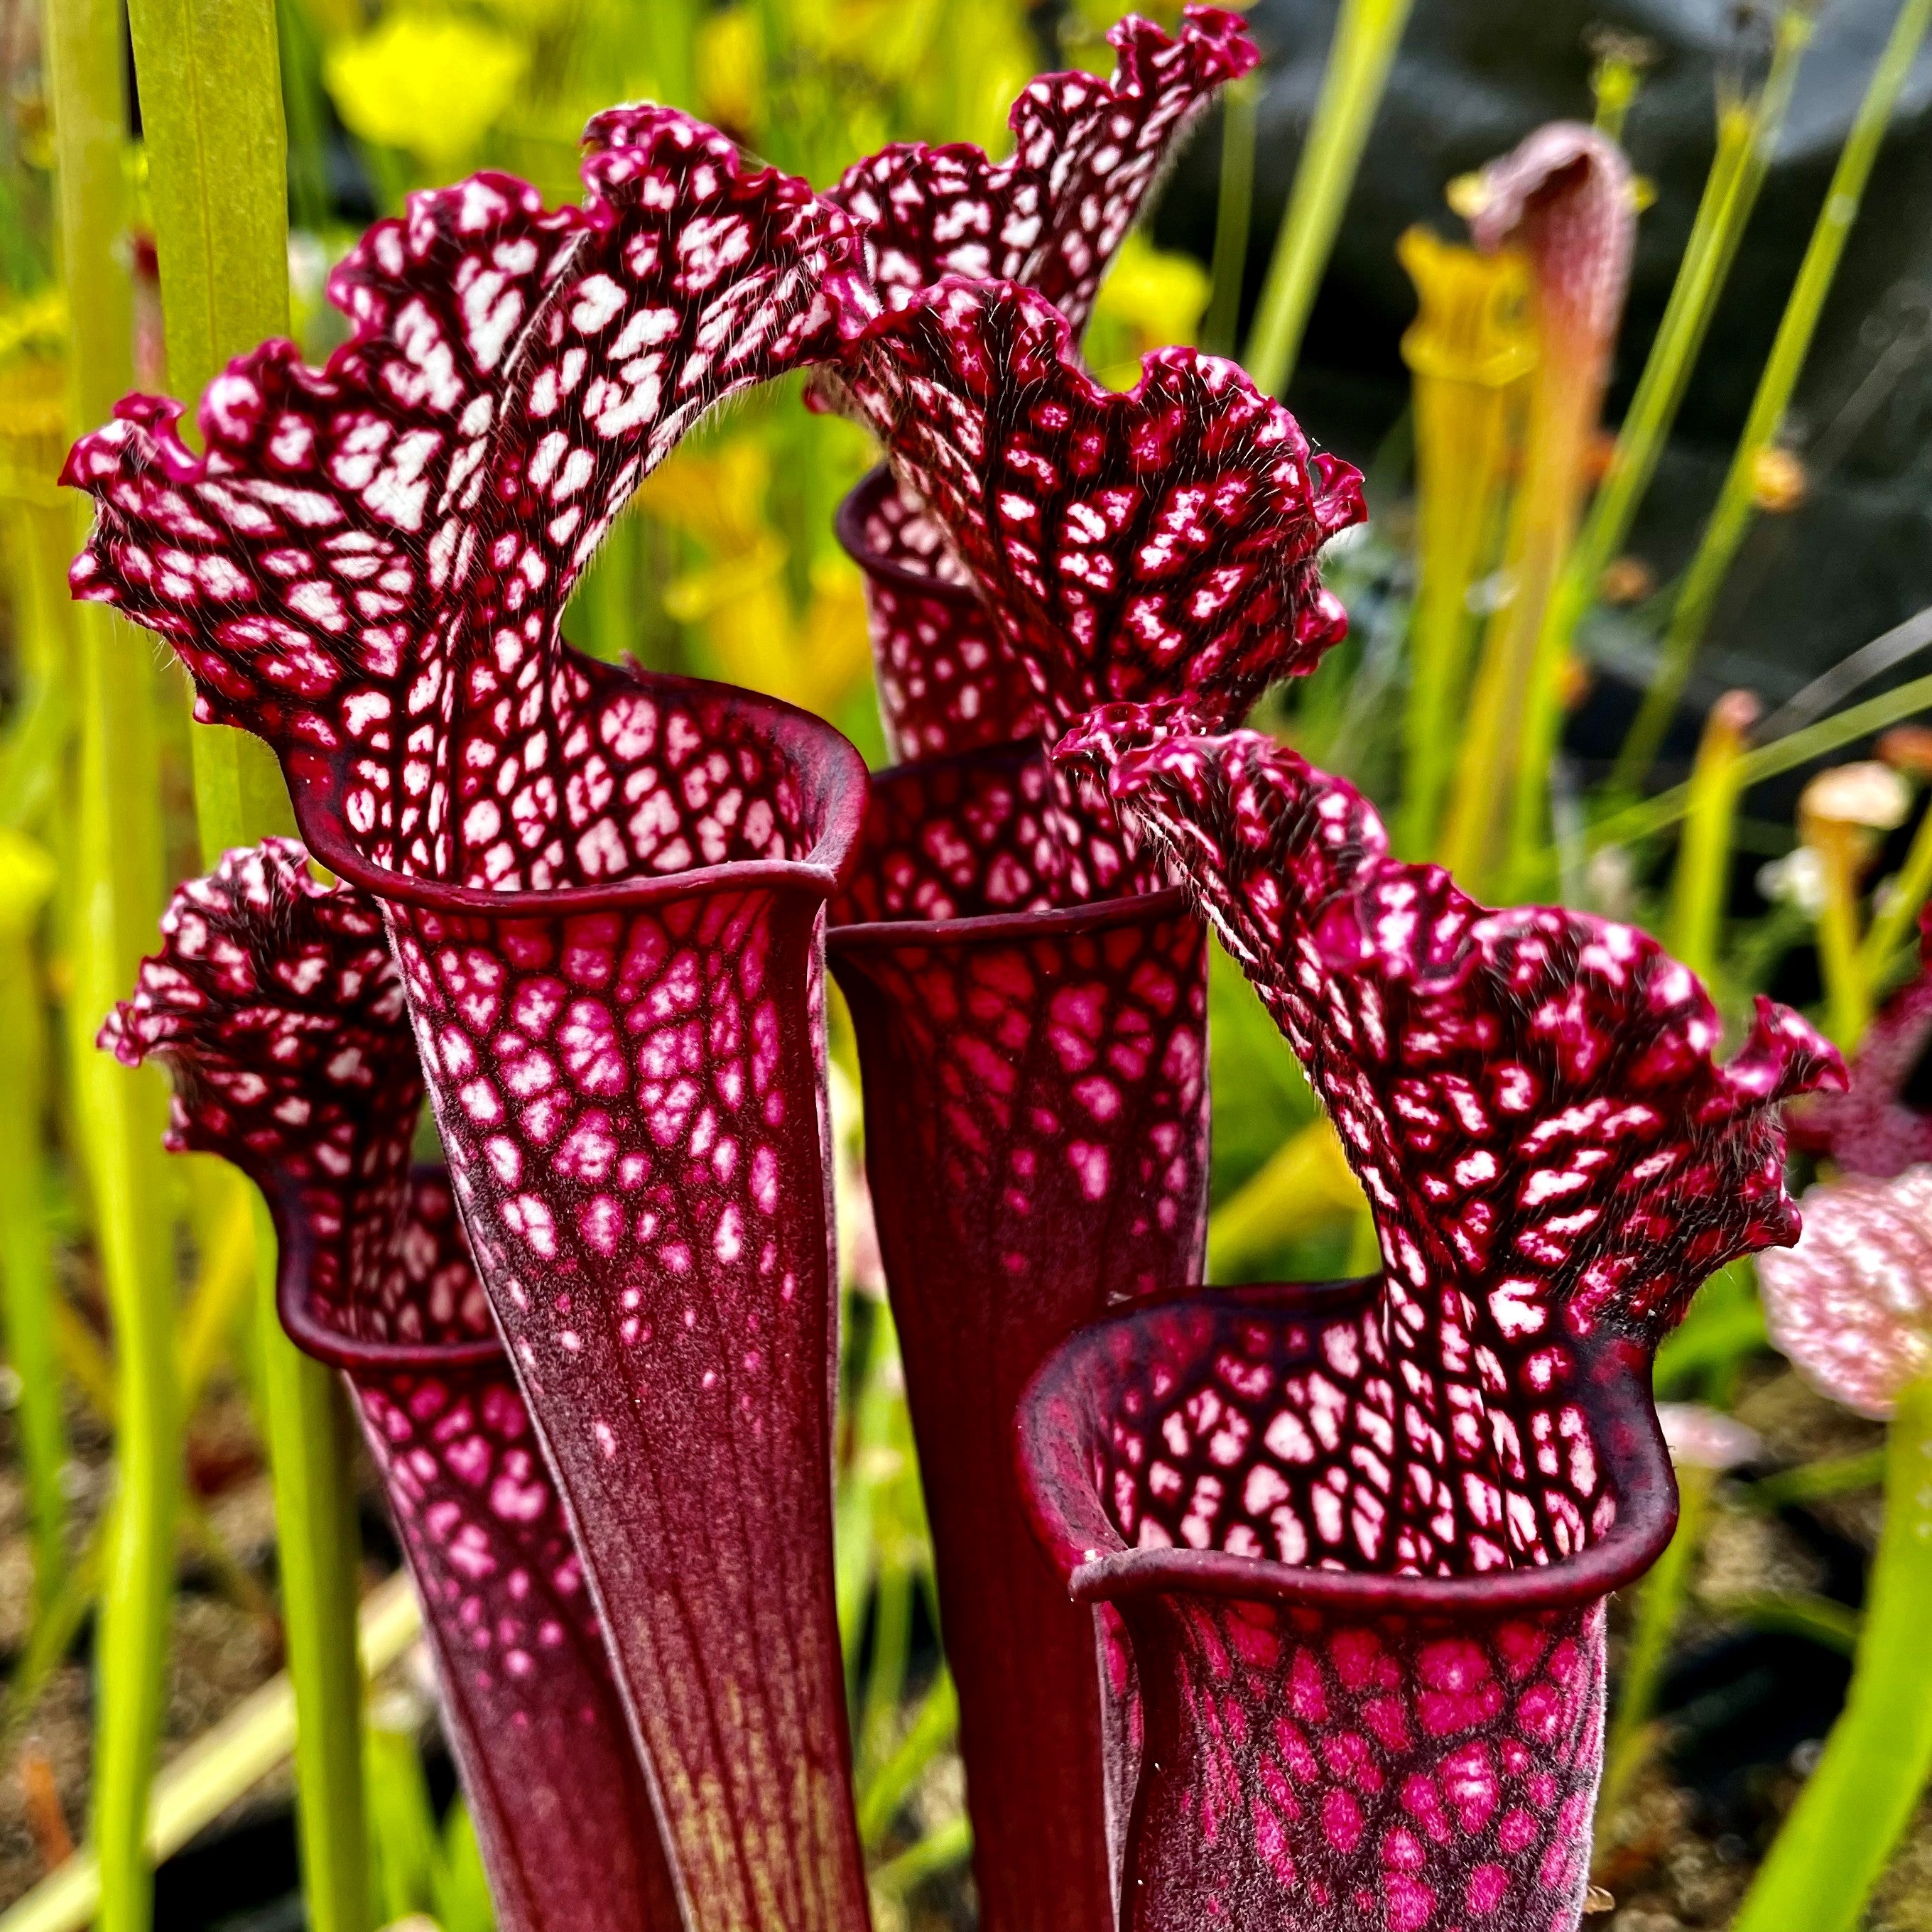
[[408, 1850], [1702, 880], [225, 1278], [673, 32], [933, 1726], [938, 1851], [1615, 81], [304, 105], [1233, 215], [892, 1651], [1810, 1482], [1653, 815], [1366, 34], [310, 1434], [1729, 521], [1819, 1620], [118, 866], [1890, 928], [28, 1290], [1469, 350], [1858, 1801], [211, 81], [1847, 996], [1660, 1604], [1304, 1185], [52, 1636], [875, 1463], [124, 1121], [1747, 134], [210, 72], [40, 536], [1497, 809], [1726, 1324]]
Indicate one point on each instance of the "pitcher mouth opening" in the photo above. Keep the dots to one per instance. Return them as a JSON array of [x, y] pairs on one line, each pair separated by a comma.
[[365, 1355], [835, 775], [1611, 1384], [849, 525], [1095, 915]]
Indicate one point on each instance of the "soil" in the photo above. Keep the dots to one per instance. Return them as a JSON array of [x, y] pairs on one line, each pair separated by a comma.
[[226, 1641]]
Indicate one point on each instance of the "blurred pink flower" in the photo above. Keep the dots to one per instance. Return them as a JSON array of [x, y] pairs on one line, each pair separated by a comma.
[[1851, 1304]]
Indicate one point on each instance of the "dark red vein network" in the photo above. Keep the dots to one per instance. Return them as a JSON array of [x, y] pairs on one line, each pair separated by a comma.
[[1157, 544], [368, 566], [1302, 1739]]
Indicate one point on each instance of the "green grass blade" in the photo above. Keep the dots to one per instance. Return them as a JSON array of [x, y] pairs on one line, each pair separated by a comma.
[[28, 1290], [1697, 596], [1819, 1620], [1367, 34], [210, 74], [1893, 924], [306, 1417], [1660, 1602], [1748, 132], [933, 1726], [463, 1889], [1232, 215], [407, 1846], [1700, 887], [222, 1765], [1809, 1482], [117, 861], [939, 1851], [211, 82], [1858, 1801], [1652, 815]]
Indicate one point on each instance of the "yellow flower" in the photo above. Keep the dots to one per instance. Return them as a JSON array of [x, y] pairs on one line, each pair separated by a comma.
[[1778, 482], [1470, 346], [431, 85], [740, 598], [1471, 326], [1151, 299], [730, 65]]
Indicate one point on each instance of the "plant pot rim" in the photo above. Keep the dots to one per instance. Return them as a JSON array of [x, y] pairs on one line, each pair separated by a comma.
[[848, 525], [829, 864], [875, 935], [1612, 1383], [355, 1353]]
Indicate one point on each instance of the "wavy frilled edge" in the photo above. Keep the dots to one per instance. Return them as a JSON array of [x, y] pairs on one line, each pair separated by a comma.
[[1530, 1099], [1569, 1057], [1087, 151], [369, 566], [1323, 1330], [276, 1006], [1159, 543], [278, 1011]]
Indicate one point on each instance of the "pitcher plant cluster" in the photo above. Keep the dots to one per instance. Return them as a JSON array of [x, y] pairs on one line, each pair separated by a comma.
[[1262, 1605]]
